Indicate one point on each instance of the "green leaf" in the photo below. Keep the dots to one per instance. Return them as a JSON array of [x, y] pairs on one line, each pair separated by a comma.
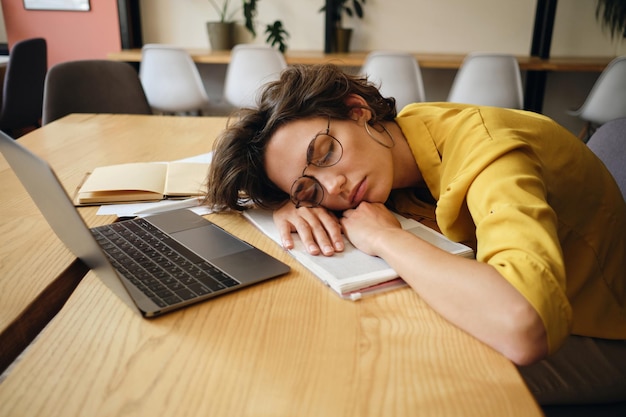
[[612, 16], [249, 13], [357, 8], [276, 34]]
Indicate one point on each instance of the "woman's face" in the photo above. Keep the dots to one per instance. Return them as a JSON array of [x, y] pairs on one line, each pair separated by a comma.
[[364, 172]]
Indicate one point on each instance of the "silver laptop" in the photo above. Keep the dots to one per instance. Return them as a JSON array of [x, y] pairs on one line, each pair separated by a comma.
[[156, 264]]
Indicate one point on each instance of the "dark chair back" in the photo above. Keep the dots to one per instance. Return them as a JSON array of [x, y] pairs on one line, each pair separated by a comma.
[[22, 94], [93, 86]]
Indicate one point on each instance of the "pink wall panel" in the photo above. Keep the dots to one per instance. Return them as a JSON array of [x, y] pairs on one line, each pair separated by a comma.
[[69, 35]]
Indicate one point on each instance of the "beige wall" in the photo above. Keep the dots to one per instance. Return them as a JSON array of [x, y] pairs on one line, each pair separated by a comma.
[[455, 26], [447, 26]]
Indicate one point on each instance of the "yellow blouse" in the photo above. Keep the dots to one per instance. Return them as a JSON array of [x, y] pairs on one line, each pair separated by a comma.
[[541, 207]]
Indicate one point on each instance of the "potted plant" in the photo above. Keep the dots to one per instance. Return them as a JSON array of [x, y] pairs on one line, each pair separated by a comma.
[[221, 32], [612, 16], [342, 35]]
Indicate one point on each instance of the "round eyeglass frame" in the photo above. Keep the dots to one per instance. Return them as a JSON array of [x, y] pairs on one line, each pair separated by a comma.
[[308, 181]]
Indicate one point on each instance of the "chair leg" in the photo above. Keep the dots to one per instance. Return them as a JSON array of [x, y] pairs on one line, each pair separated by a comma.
[[590, 131], [584, 133]]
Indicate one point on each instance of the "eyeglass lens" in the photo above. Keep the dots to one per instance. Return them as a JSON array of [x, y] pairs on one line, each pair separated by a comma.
[[323, 151]]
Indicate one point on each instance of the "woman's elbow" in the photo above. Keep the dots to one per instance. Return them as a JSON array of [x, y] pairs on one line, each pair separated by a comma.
[[528, 355], [527, 342]]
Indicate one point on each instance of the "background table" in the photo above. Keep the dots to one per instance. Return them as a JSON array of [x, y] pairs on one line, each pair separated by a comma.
[[287, 347], [356, 59]]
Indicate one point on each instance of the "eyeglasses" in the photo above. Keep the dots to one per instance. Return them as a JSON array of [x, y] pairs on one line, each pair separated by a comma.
[[323, 151]]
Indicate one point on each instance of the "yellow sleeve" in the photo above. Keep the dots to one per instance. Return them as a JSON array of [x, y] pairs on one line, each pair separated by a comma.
[[517, 234]]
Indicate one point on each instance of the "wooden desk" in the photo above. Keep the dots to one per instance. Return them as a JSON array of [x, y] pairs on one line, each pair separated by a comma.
[[37, 272], [287, 347], [356, 59], [31, 260]]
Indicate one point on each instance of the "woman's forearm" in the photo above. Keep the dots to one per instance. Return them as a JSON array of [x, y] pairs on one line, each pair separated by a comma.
[[470, 294]]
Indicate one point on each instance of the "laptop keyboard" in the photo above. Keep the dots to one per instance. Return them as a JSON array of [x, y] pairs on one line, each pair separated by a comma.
[[163, 269]]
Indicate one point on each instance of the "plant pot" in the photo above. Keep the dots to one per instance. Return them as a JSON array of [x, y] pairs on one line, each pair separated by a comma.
[[221, 35], [342, 40]]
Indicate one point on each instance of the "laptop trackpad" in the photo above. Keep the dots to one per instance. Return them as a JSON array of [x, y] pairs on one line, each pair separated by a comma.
[[210, 241]]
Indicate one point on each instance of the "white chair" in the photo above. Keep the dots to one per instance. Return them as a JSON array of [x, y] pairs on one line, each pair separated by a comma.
[[397, 74], [171, 80], [606, 100], [250, 67], [488, 79]]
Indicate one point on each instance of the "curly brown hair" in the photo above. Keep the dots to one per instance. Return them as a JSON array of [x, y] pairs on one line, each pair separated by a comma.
[[237, 174]]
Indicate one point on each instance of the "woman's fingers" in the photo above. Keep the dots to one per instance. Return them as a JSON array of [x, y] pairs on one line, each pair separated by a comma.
[[318, 229]]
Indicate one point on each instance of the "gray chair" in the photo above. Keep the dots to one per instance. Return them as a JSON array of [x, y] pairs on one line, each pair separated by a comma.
[[609, 144], [93, 86], [22, 94]]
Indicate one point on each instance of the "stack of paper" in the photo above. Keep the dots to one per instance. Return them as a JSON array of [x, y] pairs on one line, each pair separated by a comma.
[[353, 273]]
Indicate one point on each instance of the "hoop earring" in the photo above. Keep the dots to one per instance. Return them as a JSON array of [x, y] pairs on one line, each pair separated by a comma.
[[393, 142]]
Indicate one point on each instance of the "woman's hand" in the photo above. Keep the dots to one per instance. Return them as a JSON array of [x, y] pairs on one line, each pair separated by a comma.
[[363, 224], [318, 228]]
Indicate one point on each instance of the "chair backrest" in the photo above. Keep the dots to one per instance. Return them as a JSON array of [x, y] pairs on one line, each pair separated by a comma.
[[489, 80], [607, 98], [93, 86], [171, 80], [609, 143], [250, 67], [397, 74], [24, 79]]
